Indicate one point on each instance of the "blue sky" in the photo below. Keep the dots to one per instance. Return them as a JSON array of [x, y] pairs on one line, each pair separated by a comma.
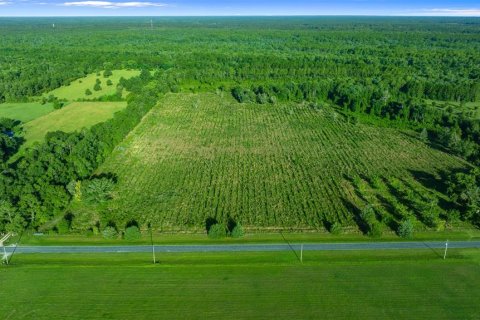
[[231, 7]]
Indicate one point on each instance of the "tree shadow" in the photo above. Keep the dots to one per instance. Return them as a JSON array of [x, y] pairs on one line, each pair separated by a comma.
[[433, 250], [327, 224], [433, 182], [231, 224], [432, 142], [355, 188], [131, 223], [209, 222], [106, 175], [356, 215]]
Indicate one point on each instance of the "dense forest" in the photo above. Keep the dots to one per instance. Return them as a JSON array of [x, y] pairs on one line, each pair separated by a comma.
[[406, 73]]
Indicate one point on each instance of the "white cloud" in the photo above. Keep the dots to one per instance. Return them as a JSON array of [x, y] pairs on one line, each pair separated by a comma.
[[113, 5], [454, 12], [4, 3]]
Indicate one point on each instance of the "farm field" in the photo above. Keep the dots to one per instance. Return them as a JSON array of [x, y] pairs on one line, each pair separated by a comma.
[[200, 156], [24, 112], [400, 284], [72, 117], [76, 89]]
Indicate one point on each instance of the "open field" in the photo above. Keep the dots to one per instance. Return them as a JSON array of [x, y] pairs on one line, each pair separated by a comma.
[[202, 156], [73, 117], [76, 89], [401, 284], [470, 108], [24, 111]]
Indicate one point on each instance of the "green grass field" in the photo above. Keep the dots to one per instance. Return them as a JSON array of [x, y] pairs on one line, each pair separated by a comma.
[[200, 156], [72, 117], [24, 112], [399, 284], [76, 89], [249, 238], [471, 108]]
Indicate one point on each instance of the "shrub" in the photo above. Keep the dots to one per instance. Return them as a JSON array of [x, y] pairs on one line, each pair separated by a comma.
[[98, 189], [430, 218], [335, 228], [243, 95], [375, 230], [109, 233], [97, 87], [452, 216], [376, 182], [405, 229], [368, 214], [63, 226], [217, 231], [109, 82], [238, 231], [132, 233], [57, 104], [88, 92]]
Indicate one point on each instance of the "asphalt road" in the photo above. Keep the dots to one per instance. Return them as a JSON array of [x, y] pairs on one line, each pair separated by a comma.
[[248, 247]]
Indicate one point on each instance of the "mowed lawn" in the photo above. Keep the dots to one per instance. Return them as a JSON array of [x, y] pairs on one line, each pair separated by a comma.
[[72, 117], [76, 89], [25, 111], [398, 284]]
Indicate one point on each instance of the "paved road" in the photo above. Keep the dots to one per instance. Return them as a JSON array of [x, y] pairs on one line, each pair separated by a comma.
[[248, 247]]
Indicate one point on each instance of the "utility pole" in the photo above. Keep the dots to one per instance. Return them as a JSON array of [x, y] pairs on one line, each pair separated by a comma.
[[446, 248], [153, 247], [301, 253], [5, 255]]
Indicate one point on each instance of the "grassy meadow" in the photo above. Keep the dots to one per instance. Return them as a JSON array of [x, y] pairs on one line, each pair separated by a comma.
[[199, 156], [72, 117], [399, 284], [76, 89], [470, 108], [25, 112]]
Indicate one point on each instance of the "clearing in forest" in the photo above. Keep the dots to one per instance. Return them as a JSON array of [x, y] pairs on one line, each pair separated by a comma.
[[24, 111], [76, 89], [199, 156], [74, 116]]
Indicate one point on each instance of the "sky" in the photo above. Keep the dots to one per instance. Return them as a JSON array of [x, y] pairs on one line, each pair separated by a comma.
[[238, 7]]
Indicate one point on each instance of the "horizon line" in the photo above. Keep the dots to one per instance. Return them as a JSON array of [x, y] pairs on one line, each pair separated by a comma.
[[238, 16]]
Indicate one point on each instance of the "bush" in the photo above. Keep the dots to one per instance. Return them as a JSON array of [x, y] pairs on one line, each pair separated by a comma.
[[57, 104], [335, 228], [238, 231], [132, 233], [109, 233], [97, 87], [217, 231], [243, 95], [431, 218], [375, 230], [368, 214], [63, 226], [109, 82], [98, 189], [88, 92], [405, 229], [452, 216]]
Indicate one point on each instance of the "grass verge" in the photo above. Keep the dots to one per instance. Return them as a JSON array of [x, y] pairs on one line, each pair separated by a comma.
[[401, 284]]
